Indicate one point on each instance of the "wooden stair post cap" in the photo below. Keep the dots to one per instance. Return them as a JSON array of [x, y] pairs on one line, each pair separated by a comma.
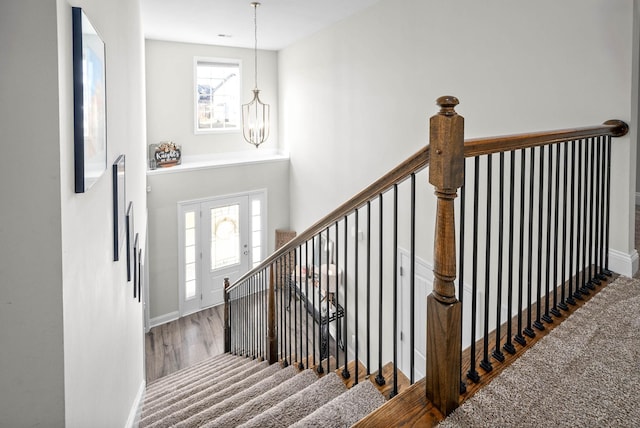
[[447, 104]]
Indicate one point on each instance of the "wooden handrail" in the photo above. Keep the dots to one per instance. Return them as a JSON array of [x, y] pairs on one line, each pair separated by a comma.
[[484, 146], [415, 163], [419, 160]]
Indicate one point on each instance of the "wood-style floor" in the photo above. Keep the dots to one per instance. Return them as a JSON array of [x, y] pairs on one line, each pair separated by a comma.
[[184, 342]]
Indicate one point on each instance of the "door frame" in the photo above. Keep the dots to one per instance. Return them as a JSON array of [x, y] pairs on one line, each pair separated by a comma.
[[189, 205]]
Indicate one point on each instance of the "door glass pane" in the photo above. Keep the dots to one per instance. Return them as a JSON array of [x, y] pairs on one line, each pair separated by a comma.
[[190, 289], [225, 236], [190, 254]]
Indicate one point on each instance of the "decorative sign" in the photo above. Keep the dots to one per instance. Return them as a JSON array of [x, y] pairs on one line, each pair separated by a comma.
[[164, 154]]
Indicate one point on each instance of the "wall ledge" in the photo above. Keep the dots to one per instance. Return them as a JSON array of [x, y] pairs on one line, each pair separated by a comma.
[[248, 157]]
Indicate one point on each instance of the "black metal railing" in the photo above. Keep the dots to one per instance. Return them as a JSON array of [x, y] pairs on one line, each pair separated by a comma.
[[534, 209], [556, 238]]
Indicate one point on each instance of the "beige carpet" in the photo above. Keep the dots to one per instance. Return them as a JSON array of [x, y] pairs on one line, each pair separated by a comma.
[[585, 373]]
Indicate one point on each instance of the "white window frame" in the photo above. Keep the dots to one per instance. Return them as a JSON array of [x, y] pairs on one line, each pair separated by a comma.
[[234, 61]]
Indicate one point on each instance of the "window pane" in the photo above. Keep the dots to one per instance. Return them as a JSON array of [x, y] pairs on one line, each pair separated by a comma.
[[190, 289], [256, 239], [255, 223], [190, 237], [218, 95], [190, 220], [190, 255], [190, 272], [255, 207], [225, 236]]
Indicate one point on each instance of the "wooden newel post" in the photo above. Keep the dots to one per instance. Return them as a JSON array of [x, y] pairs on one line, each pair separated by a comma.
[[272, 334], [227, 326], [444, 315]]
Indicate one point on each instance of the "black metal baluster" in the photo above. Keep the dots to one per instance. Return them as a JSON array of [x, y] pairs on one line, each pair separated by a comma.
[[302, 358], [546, 317], [379, 377], [252, 320], [473, 373], [528, 331], [570, 296], [355, 300], [588, 210], [394, 392], [607, 207], [336, 253], [306, 306], [412, 282], [538, 323], [563, 305], [326, 296], [345, 370], [518, 338], [497, 353], [368, 288], [601, 174], [323, 350], [313, 298], [554, 310], [463, 384], [593, 221], [578, 294], [598, 191], [485, 363], [508, 346], [287, 337]]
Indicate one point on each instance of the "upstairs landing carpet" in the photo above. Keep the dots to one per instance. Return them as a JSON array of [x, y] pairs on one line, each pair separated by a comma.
[[584, 373]]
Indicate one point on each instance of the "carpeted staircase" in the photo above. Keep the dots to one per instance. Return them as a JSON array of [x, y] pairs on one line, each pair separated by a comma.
[[231, 391]]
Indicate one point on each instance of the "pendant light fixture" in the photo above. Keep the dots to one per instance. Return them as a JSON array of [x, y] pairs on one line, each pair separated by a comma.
[[255, 114]]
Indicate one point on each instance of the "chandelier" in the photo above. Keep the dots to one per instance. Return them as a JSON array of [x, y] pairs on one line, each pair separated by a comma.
[[255, 114]]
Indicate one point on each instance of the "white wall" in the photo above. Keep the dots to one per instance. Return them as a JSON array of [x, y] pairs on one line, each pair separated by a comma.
[[168, 188], [103, 325], [31, 316], [72, 338], [355, 100], [170, 95]]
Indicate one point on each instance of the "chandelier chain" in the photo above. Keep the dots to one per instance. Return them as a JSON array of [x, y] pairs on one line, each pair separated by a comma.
[[255, 34]]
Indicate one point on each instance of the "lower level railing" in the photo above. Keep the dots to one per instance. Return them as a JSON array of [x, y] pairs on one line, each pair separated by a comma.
[[348, 293]]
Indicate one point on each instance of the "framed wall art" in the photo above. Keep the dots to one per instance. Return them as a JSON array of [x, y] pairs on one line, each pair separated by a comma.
[[89, 103], [119, 207], [136, 265], [129, 234]]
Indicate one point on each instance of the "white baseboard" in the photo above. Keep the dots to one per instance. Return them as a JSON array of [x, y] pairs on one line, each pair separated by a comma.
[[623, 263], [136, 408], [637, 198], [163, 319]]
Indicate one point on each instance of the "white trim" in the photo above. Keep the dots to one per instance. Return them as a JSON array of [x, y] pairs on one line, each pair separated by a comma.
[[197, 162], [623, 263], [637, 198], [136, 408], [163, 319]]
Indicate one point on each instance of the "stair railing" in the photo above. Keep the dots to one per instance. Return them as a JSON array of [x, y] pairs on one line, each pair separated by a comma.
[[322, 300]]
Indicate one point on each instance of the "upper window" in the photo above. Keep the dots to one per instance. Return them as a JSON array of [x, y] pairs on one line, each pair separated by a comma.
[[217, 95]]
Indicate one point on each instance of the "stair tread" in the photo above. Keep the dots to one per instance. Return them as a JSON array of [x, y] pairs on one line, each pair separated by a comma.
[[171, 395], [229, 403], [300, 404], [176, 402], [195, 375], [261, 403], [346, 409], [183, 372]]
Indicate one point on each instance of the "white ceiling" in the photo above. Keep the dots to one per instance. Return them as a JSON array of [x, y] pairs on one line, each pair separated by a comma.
[[280, 22]]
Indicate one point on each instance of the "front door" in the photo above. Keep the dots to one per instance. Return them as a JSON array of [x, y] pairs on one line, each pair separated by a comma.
[[219, 238], [226, 250]]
